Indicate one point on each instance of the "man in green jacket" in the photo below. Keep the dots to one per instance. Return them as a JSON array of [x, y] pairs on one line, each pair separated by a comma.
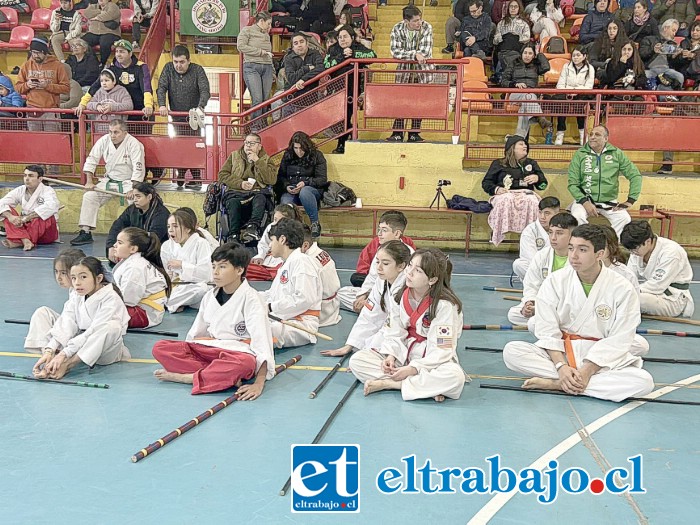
[[248, 174], [593, 181]]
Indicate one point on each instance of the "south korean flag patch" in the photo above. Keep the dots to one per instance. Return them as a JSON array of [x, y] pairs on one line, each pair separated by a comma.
[[444, 337]]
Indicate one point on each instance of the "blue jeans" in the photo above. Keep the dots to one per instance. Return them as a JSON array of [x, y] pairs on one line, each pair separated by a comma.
[[308, 197], [258, 78]]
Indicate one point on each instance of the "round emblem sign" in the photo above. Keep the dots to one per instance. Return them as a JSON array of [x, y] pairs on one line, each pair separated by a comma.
[[209, 16]]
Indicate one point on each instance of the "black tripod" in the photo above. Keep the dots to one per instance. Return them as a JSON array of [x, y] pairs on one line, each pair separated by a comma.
[[438, 194]]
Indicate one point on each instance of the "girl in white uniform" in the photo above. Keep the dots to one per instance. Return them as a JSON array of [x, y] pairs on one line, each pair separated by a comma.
[[367, 332], [144, 284], [186, 256], [419, 353], [264, 266], [615, 259], [90, 328], [44, 318]]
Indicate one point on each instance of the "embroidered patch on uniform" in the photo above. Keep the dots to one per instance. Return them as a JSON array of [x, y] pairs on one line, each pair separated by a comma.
[[603, 311], [528, 167], [369, 305], [324, 258], [539, 242], [426, 321], [444, 338], [545, 273], [608, 157], [659, 274], [240, 329], [284, 277], [40, 201]]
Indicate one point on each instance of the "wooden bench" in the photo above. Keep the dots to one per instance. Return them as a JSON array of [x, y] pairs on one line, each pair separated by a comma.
[[671, 216]]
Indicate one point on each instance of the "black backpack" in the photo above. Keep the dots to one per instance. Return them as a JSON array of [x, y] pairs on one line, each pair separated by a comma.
[[212, 200]]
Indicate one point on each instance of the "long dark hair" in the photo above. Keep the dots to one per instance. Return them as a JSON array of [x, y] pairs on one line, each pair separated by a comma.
[[186, 218], [69, 257], [507, 18], [613, 244], [149, 248], [637, 64], [603, 47], [94, 266], [288, 210], [400, 254], [301, 138], [148, 189], [435, 264]]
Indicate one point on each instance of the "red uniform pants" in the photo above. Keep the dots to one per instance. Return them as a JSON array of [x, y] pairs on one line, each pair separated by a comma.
[[38, 231], [258, 272], [138, 317]]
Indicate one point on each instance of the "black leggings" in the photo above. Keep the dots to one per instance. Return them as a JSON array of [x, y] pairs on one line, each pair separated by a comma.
[[105, 42]]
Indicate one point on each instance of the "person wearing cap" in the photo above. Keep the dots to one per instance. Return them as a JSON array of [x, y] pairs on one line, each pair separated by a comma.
[[42, 79], [104, 27], [66, 24], [512, 182]]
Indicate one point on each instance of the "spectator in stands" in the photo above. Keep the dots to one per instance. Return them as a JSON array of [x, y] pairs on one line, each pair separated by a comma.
[[302, 177], [460, 9], [144, 11], [688, 62], [66, 24], [683, 11], [524, 73], [124, 166], [301, 64], [71, 100], [604, 46], [512, 181], [660, 53], [595, 22], [146, 212], [577, 74], [293, 7], [626, 10], [543, 25], [254, 44], [83, 63], [9, 97], [42, 79], [187, 88], [625, 70], [512, 32], [475, 31], [641, 24], [317, 16], [361, 35], [21, 6], [499, 9], [411, 40], [110, 98], [594, 182], [248, 174], [347, 48], [104, 27], [331, 38]]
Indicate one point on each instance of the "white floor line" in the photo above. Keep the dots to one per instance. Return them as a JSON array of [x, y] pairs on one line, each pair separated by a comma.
[[488, 511]]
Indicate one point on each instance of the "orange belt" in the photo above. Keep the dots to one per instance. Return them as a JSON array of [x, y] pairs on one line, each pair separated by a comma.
[[313, 313], [571, 360]]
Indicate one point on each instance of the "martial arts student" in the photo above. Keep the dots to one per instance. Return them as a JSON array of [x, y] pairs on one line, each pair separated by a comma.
[[419, 352], [295, 294], [90, 328], [663, 270], [586, 320], [230, 340], [263, 267], [535, 236], [140, 276], [330, 282], [44, 318], [37, 222], [367, 332], [392, 224], [614, 258], [545, 262], [186, 256]]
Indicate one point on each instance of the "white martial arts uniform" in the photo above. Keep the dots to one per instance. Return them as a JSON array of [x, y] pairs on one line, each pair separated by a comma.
[[43, 201], [210, 238], [664, 280], [368, 330], [330, 284], [240, 324], [625, 272], [92, 328], [609, 315], [348, 294], [532, 239], [618, 219], [428, 346], [142, 285], [124, 165], [195, 255], [40, 325], [295, 295], [264, 249]]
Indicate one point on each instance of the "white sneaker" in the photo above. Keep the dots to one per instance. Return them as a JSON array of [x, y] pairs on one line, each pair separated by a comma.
[[192, 120], [199, 117], [559, 140]]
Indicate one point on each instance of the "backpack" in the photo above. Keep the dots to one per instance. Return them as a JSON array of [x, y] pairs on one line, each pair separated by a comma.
[[457, 202], [338, 194], [555, 46], [212, 200], [358, 17]]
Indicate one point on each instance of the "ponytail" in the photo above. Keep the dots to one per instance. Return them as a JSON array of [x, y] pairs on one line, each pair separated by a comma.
[[401, 254], [148, 245]]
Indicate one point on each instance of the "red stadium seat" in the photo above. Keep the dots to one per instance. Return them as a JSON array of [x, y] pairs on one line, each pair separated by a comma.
[[41, 18], [33, 5], [55, 4], [12, 20], [127, 20], [20, 38]]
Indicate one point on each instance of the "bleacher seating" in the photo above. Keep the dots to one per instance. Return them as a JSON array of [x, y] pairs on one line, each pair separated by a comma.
[[127, 20], [41, 18], [20, 37], [12, 19]]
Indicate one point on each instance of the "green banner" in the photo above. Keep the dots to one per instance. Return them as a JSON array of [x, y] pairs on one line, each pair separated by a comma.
[[209, 17]]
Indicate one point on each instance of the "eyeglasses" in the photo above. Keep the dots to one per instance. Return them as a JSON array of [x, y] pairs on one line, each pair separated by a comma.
[[249, 143]]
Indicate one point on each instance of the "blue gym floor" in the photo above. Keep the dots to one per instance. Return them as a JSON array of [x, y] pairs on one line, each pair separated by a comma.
[[67, 449]]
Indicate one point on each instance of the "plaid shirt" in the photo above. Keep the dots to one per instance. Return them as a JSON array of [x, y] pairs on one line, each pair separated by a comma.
[[403, 47]]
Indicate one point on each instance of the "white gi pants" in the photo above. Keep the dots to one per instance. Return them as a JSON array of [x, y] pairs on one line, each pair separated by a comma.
[[93, 201], [661, 304], [520, 267], [618, 219], [446, 379], [186, 295], [41, 322], [286, 337], [614, 385], [105, 346], [347, 296]]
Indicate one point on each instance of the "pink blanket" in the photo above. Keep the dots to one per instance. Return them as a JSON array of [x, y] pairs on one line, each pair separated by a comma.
[[511, 212]]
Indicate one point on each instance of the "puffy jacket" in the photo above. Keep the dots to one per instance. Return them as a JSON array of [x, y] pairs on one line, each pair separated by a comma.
[[312, 171], [594, 23], [572, 78], [297, 68], [12, 99], [637, 33], [518, 71], [238, 169], [155, 220], [497, 172], [682, 10], [86, 71], [480, 28], [596, 177]]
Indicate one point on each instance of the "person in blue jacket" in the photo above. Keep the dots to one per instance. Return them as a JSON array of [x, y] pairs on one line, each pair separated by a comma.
[[9, 97]]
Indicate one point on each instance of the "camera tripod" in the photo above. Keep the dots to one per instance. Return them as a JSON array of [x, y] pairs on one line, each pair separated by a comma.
[[438, 194]]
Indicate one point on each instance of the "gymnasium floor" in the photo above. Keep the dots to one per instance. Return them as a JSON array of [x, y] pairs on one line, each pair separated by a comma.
[[67, 449]]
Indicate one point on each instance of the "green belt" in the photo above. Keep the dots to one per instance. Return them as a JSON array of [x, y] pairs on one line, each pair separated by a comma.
[[120, 188], [677, 286]]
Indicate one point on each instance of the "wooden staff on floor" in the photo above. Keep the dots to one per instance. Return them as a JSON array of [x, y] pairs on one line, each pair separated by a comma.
[[107, 192], [496, 327], [150, 449], [297, 326], [12, 375], [328, 377], [324, 428], [670, 319], [512, 298], [668, 360], [496, 289], [128, 330]]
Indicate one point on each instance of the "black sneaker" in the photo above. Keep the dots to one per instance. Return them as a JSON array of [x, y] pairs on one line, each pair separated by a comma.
[[194, 185], [82, 238], [315, 230], [339, 150], [155, 181], [415, 137], [250, 233], [665, 169], [231, 238], [448, 50], [395, 137]]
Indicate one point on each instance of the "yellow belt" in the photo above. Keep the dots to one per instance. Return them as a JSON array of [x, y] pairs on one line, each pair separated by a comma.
[[151, 301]]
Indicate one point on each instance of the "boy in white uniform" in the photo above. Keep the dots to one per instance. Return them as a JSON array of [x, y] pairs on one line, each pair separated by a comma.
[[295, 293], [586, 320], [663, 270], [535, 236], [330, 282]]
